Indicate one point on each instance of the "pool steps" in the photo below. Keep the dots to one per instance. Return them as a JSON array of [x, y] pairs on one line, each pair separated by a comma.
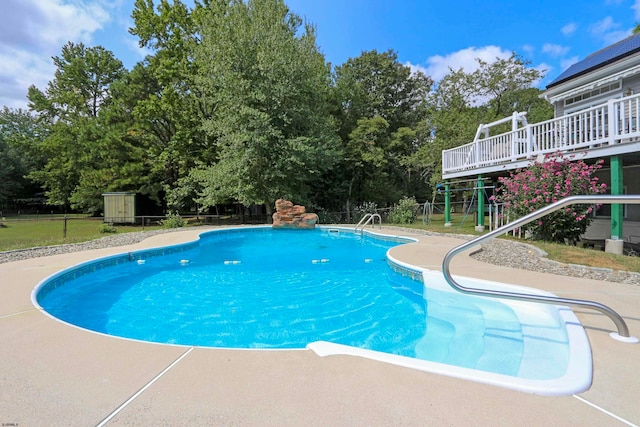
[[448, 317]]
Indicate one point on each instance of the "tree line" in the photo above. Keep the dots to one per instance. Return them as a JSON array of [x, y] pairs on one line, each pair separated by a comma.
[[237, 104]]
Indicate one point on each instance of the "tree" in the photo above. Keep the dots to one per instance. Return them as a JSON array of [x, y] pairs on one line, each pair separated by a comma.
[[169, 108], [80, 86], [495, 80], [71, 106], [452, 120], [376, 84], [20, 137], [261, 70], [380, 105], [462, 101], [527, 190]]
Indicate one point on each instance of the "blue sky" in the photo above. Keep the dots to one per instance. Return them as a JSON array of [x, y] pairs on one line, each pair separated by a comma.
[[430, 35]]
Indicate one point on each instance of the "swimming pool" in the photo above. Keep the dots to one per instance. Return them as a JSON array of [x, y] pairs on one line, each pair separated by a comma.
[[330, 290]]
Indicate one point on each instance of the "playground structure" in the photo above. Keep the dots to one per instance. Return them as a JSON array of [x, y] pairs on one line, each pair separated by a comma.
[[480, 204]]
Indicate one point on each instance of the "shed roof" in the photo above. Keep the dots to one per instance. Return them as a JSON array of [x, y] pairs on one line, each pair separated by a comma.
[[600, 58]]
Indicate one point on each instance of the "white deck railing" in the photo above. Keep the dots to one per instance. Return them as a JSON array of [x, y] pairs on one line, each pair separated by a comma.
[[585, 129]]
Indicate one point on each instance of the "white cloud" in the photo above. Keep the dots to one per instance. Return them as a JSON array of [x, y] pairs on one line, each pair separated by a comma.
[[133, 46], [32, 31], [555, 49], [636, 9], [416, 68], [438, 66], [603, 26], [608, 31], [545, 70], [615, 36], [529, 49], [569, 29], [19, 69]]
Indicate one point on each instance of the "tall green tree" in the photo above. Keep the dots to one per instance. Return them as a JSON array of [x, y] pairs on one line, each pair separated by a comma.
[[496, 80], [452, 120], [380, 106], [462, 101], [268, 84], [20, 137], [169, 115], [377, 84], [71, 105], [80, 86]]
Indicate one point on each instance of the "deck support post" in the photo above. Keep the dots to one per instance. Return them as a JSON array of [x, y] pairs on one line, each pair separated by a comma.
[[617, 189], [480, 189], [447, 205], [617, 213]]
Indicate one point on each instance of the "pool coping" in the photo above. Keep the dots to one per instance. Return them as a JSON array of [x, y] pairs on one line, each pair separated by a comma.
[[318, 389]]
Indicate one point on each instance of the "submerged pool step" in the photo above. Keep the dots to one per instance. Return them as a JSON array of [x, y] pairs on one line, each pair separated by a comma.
[[546, 348], [431, 347], [454, 332], [503, 338]]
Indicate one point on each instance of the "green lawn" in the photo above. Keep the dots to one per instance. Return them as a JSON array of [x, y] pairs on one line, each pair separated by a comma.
[[28, 232]]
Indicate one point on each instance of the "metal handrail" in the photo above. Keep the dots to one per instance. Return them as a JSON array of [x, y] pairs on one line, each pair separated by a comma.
[[363, 219], [623, 330], [369, 218]]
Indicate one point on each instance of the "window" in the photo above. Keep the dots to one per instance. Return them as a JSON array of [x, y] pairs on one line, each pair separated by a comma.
[[594, 93]]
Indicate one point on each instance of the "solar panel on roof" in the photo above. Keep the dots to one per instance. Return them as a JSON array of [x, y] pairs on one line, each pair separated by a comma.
[[600, 58]]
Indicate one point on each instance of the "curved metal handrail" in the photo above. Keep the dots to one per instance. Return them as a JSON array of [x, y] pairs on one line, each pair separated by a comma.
[[369, 218], [623, 330]]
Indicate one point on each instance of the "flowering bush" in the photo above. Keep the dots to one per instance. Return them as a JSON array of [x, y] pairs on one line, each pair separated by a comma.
[[365, 208], [541, 184]]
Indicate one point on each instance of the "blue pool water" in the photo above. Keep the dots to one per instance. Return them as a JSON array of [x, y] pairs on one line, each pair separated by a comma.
[[264, 288]]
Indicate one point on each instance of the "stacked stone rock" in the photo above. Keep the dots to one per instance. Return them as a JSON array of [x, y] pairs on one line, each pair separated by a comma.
[[288, 215]]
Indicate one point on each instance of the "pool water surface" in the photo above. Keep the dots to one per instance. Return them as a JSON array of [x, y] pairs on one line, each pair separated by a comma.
[[285, 289]]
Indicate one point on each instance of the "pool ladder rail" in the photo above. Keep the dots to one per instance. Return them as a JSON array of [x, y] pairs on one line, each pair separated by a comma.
[[369, 219], [623, 331]]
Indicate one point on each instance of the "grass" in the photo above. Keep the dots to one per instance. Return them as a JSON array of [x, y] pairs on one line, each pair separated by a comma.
[[589, 257], [30, 232]]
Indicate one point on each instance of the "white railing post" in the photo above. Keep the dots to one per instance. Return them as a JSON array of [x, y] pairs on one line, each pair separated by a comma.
[[514, 143], [476, 147], [613, 121]]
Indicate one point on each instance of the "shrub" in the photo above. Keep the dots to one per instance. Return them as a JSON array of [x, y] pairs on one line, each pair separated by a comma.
[[172, 221], [365, 208], [541, 184], [404, 212], [107, 228]]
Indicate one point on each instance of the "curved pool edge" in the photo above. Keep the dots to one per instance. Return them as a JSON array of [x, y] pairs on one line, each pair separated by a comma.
[[154, 250], [576, 380]]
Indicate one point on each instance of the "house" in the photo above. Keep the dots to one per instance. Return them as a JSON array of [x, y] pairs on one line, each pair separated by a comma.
[[596, 104]]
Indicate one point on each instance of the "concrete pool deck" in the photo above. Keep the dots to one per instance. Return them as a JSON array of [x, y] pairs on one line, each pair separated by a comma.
[[55, 374]]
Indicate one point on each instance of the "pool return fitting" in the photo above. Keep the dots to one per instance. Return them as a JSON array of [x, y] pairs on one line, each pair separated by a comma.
[[623, 331]]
